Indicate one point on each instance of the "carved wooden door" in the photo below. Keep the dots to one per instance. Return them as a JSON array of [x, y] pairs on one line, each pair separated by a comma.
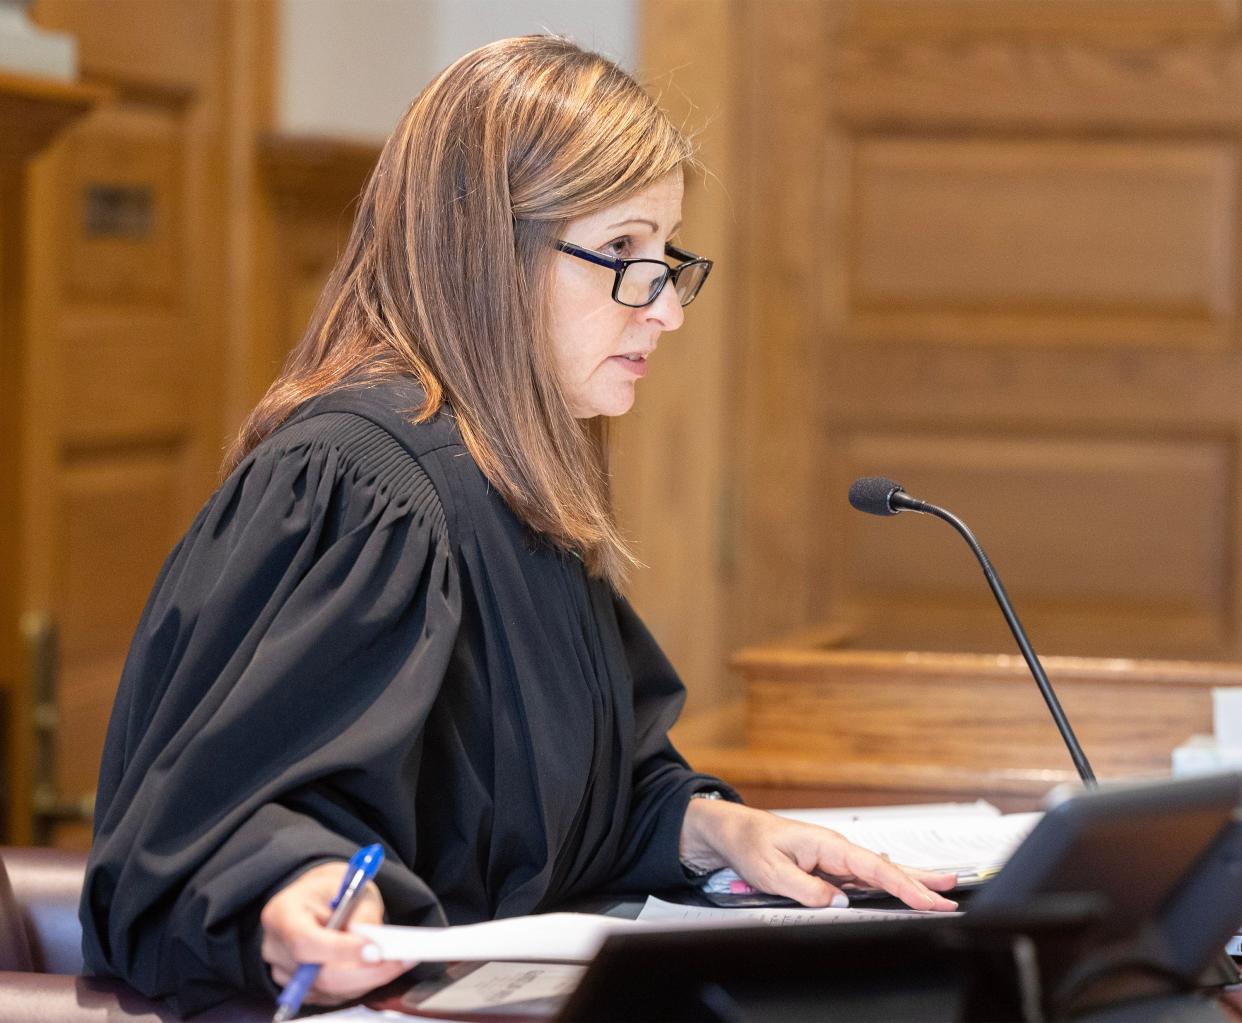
[[121, 366]]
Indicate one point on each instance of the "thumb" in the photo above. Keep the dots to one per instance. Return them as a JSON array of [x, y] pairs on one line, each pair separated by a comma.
[[370, 906]]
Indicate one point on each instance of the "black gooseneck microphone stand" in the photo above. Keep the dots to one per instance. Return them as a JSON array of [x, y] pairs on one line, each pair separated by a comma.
[[878, 496]]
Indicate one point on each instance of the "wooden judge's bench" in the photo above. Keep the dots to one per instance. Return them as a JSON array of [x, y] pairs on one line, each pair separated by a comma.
[[824, 726]]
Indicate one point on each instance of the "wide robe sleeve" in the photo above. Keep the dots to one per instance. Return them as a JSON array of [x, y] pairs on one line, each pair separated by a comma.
[[271, 710], [662, 780]]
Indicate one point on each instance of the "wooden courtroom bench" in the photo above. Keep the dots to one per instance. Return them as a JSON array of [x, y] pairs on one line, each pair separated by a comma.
[[839, 727]]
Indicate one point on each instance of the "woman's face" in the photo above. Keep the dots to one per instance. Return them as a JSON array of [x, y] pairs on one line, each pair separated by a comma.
[[601, 347]]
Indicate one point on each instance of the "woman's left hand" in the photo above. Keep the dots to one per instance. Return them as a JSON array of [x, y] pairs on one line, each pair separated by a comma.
[[782, 857]]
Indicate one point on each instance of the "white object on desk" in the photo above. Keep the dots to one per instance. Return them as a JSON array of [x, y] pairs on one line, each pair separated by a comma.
[[1202, 754], [1220, 751], [1227, 716]]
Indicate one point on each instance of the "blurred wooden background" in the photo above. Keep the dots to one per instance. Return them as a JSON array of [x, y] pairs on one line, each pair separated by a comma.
[[988, 249]]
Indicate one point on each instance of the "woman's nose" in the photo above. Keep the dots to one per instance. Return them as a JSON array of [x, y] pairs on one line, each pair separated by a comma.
[[666, 309]]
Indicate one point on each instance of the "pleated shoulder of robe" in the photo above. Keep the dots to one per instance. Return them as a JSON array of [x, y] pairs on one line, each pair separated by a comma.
[[357, 642]]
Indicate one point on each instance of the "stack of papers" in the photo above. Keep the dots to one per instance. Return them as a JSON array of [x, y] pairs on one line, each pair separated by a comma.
[[966, 838], [525, 975], [576, 937], [946, 837]]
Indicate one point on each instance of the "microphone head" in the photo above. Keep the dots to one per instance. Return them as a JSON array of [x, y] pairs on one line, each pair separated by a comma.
[[873, 495]]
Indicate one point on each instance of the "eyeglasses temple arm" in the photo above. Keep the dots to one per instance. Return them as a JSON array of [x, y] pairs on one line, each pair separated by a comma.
[[590, 257]]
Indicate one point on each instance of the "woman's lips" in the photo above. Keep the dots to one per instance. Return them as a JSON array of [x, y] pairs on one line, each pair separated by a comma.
[[636, 366]]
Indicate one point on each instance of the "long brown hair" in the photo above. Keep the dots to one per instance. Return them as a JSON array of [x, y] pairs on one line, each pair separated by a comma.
[[447, 271]]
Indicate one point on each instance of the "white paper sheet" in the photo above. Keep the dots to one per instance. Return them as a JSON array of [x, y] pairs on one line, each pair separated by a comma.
[[954, 842], [835, 817], [549, 936], [576, 937]]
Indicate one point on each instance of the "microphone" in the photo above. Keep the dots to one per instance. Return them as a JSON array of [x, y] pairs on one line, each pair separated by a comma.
[[876, 495]]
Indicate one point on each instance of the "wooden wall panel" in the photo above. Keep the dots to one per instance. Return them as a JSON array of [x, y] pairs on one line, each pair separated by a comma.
[[303, 210], [989, 239], [148, 359], [1116, 20], [1125, 558], [1057, 79], [11, 207], [671, 453], [124, 231], [115, 517], [794, 271], [87, 684], [991, 250], [1162, 548]]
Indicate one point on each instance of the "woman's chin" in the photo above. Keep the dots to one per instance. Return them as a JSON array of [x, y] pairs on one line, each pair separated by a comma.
[[610, 405]]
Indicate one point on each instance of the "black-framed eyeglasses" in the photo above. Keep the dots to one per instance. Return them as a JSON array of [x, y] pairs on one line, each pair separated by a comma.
[[640, 281]]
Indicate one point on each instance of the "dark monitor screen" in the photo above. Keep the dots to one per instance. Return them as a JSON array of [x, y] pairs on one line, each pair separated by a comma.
[[1164, 857]]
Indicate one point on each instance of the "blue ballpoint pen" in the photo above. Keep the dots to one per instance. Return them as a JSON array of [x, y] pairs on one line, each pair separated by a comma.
[[362, 868]]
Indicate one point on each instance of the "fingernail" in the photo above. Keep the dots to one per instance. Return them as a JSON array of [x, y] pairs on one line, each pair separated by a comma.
[[840, 901], [372, 954], [740, 887]]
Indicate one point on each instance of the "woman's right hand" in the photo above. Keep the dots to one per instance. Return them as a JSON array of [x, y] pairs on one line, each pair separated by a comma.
[[294, 933]]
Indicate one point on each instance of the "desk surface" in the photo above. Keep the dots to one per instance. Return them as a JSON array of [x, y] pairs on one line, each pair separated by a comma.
[[1182, 1008], [31, 998]]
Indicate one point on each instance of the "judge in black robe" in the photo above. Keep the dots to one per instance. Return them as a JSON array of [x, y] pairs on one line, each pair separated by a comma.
[[358, 642]]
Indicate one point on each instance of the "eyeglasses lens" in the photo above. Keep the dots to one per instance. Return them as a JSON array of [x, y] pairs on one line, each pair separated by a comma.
[[689, 280], [641, 283]]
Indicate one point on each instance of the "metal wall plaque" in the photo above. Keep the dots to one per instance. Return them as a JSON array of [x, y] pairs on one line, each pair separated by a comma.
[[119, 211]]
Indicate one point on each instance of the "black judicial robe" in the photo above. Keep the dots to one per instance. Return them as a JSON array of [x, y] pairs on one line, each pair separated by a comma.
[[358, 642]]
